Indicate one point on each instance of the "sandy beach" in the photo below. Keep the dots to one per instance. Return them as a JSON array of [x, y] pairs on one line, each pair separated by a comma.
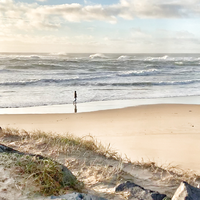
[[164, 133]]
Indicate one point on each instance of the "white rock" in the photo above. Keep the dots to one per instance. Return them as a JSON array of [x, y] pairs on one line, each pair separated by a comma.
[[186, 191]]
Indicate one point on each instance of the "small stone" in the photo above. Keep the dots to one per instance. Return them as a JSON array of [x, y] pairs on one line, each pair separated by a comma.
[[138, 192], [6, 149]]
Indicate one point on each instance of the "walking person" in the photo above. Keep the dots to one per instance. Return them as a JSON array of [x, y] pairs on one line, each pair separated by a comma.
[[75, 97], [74, 102]]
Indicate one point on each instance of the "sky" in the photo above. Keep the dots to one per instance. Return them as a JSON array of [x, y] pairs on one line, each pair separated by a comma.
[[100, 26]]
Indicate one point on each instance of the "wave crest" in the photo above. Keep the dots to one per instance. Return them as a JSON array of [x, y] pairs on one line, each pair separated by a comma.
[[139, 73], [123, 57], [97, 55], [59, 54]]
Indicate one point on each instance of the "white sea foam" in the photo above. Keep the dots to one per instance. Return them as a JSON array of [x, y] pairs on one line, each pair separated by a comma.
[[97, 55], [35, 57], [58, 54], [139, 72], [123, 57], [179, 63], [166, 57], [186, 82]]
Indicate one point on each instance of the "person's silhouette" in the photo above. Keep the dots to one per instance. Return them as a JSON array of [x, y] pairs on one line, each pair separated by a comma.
[[75, 96]]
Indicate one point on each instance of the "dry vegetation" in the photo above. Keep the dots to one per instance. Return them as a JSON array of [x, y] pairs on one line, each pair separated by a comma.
[[98, 168], [44, 175]]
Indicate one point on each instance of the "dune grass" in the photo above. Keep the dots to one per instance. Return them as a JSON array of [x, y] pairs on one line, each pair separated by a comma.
[[89, 160], [45, 176], [64, 143]]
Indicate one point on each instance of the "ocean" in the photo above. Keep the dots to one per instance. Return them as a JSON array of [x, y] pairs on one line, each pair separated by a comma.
[[29, 80]]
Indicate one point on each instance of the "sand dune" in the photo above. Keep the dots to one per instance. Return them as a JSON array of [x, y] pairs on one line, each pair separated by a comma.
[[164, 133]]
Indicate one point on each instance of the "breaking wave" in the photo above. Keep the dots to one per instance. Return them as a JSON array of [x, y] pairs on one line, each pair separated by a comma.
[[123, 58], [98, 56], [166, 57], [59, 54], [139, 73]]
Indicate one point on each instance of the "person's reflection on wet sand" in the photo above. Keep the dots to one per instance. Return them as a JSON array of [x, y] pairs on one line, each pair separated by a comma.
[[75, 108]]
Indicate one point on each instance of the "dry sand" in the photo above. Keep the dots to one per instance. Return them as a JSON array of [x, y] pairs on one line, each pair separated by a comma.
[[165, 133]]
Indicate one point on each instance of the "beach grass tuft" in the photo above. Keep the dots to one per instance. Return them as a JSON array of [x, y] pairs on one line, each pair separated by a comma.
[[45, 176]]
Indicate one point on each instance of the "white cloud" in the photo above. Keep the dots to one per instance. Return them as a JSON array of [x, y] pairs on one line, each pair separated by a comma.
[[28, 18], [31, 39], [185, 34], [137, 33], [141, 40], [159, 9], [51, 16], [84, 37]]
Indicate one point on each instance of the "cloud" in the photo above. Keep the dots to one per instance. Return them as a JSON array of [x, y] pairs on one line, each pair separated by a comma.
[[50, 17], [159, 9], [137, 33], [32, 39], [143, 40], [171, 41]]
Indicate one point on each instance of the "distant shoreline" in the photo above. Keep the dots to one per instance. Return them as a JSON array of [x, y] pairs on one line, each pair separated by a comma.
[[99, 105]]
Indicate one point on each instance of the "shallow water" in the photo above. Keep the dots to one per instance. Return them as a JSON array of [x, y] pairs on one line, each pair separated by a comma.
[[98, 105]]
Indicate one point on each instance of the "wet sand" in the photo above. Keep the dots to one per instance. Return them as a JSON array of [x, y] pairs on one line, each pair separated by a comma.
[[164, 133]]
